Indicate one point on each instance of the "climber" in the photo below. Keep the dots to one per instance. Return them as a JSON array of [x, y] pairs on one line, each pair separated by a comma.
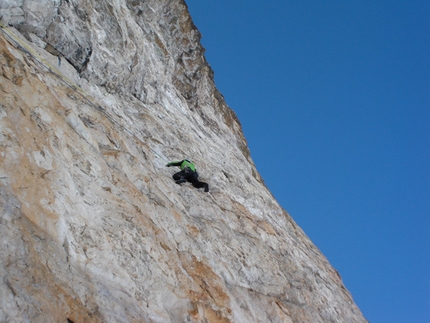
[[188, 173]]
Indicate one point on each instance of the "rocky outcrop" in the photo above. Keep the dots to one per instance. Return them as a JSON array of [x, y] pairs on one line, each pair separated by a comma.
[[96, 97]]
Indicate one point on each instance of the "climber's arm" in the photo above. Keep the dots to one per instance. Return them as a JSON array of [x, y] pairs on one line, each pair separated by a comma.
[[174, 163]]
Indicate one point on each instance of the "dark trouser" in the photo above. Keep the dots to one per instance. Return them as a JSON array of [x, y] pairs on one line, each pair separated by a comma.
[[190, 176]]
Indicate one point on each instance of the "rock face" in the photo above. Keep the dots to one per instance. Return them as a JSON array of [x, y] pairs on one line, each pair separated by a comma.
[[96, 97]]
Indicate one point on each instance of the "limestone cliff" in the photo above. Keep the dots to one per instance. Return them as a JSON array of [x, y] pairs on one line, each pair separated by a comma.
[[96, 97]]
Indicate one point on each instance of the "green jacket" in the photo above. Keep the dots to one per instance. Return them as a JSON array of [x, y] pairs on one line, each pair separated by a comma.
[[185, 163]]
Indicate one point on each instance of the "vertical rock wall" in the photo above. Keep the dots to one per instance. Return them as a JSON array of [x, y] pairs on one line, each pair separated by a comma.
[[95, 98]]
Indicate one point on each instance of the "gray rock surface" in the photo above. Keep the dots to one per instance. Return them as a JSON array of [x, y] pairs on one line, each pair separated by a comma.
[[95, 98]]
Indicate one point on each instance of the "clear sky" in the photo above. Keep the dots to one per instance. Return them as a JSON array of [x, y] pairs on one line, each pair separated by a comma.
[[334, 100]]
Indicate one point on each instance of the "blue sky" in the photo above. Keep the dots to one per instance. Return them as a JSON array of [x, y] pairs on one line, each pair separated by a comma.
[[334, 100]]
